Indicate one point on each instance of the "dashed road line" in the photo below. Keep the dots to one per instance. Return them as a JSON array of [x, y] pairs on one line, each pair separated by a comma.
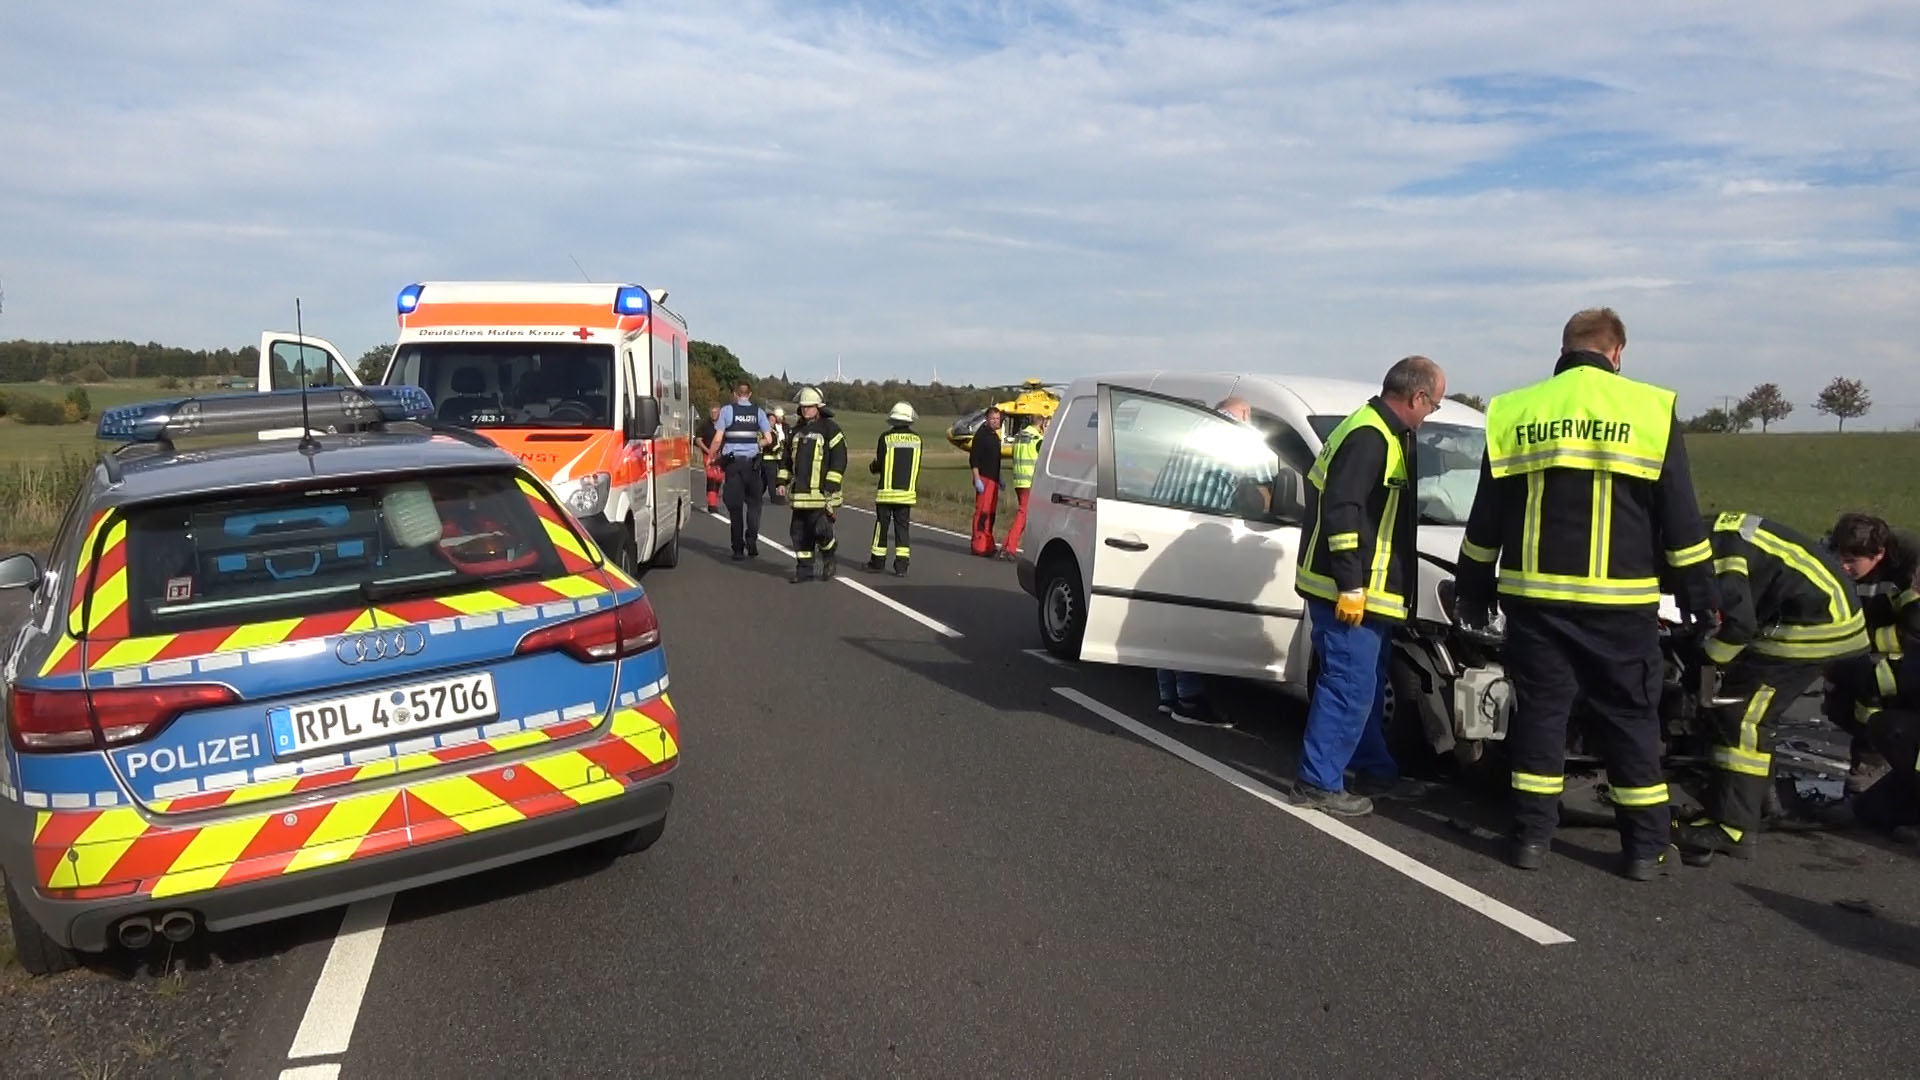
[[1465, 895], [1046, 657], [870, 593], [327, 1028]]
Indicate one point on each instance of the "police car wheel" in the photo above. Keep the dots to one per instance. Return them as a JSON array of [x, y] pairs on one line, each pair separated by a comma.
[[37, 953], [635, 842], [1063, 608]]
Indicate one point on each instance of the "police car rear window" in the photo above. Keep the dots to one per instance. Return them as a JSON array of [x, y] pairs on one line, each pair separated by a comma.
[[291, 554]]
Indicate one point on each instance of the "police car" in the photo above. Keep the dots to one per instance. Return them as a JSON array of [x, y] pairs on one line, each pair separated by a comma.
[[265, 677]]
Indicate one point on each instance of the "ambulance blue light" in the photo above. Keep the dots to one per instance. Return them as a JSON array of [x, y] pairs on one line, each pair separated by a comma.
[[328, 409], [409, 299], [632, 300]]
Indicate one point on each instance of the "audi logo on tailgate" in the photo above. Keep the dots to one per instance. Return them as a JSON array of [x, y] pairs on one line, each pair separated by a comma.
[[380, 645]]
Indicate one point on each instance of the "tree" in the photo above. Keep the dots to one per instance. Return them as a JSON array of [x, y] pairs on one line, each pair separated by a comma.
[[704, 390], [1766, 404], [719, 361], [1715, 421], [1845, 399], [373, 363], [1471, 401]]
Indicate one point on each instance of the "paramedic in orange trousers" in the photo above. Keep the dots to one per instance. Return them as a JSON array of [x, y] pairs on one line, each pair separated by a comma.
[[985, 459]]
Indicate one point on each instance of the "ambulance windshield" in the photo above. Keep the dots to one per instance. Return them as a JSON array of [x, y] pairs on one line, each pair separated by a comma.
[[507, 384]]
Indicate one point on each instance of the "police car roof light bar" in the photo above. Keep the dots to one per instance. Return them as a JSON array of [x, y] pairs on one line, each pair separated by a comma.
[[326, 409]]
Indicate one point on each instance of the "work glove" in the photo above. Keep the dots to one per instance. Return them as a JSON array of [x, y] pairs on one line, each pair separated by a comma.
[[979, 486], [1352, 607]]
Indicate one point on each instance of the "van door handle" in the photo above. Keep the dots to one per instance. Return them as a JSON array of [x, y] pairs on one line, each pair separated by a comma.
[[1126, 543]]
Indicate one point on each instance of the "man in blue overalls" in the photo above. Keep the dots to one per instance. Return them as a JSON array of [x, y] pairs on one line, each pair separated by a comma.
[[743, 429]]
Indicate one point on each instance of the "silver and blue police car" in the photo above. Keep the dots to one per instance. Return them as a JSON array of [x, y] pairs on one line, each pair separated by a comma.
[[274, 675]]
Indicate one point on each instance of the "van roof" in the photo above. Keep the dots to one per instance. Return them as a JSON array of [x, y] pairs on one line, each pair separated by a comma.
[[561, 304], [1316, 395]]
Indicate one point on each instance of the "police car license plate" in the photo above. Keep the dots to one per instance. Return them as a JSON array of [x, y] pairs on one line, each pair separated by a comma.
[[384, 714]]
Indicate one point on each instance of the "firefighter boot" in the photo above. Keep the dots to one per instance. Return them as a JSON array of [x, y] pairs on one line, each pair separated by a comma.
[[802, 571], [1703, 838], [827, 565], [1647, 867], [899, 566]]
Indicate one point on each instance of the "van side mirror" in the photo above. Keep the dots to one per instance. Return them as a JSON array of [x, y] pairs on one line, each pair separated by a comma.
[[646, 418], [19, 571], [1289, 500]]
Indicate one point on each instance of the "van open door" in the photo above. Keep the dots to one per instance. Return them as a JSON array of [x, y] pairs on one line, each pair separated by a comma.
[[284, 355], [1192, 568]]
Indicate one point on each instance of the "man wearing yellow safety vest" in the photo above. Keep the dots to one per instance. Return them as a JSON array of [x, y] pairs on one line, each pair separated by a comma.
[[811, 473], [1357, 572], [1786, 611], [1026, 455], [896, 461], [1586, 503]]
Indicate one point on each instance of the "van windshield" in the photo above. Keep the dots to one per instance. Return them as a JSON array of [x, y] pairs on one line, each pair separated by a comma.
[[495, 384], [1448, 466]]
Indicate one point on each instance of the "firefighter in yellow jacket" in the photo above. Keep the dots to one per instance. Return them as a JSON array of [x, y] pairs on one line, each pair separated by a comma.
[[896, 464], [1585, 503], [811, 474]]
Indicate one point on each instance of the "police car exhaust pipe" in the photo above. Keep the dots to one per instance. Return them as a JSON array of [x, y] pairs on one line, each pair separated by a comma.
[[178, 926], [136, 933]]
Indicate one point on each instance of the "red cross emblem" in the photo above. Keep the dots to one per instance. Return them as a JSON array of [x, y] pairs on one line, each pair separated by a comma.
[[583, 333]]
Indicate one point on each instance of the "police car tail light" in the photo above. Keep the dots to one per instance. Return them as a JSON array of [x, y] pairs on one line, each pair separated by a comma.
[[46, 721], [605, 635]]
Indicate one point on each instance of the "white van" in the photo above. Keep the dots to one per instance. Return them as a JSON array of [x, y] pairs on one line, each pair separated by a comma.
[[1130, 569]]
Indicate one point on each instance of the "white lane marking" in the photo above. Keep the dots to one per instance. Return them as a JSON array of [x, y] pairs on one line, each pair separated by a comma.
[[335, 1006], [927, 621], [916, 526], [1047, 657], [1465, 895], [311, 1072]]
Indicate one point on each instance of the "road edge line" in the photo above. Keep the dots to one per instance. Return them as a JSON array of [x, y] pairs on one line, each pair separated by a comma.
[[869, 592], [1459, 892], [917, 525], [334, 1008]]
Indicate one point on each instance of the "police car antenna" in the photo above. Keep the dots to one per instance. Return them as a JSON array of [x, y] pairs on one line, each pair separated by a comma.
[[308, 444]]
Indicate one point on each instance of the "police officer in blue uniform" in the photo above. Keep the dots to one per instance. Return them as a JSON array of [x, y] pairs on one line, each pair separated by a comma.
[[743, 430]]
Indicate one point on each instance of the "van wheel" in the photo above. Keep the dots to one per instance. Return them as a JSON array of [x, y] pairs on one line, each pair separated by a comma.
[[668, 557], [1063, 608], [38, 954]]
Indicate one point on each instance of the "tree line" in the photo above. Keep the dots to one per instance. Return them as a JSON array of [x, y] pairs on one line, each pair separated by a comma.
[[94, 361], [1843, 399]]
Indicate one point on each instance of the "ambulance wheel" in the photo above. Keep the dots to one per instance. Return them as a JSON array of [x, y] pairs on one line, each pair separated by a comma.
[[38, 954], [668, 557], [635, 842]]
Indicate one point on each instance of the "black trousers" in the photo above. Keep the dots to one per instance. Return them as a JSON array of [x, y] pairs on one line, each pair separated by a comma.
[[812, 533], [1894, 799], [1743, 733], [1851, 684], [769, 476], [891, 522], [1557, 654], [742, 493]]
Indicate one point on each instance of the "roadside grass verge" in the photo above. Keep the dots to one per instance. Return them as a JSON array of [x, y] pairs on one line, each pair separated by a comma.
[[34, 495]]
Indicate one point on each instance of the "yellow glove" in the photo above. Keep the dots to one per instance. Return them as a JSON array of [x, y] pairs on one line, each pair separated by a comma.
[[1352, 607]]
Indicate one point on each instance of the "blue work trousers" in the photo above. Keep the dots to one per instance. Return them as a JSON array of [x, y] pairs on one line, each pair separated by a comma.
[[1180, 686], [1344, 721]]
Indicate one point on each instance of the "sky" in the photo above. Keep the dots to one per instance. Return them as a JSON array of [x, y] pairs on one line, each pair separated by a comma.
[[997, 190]]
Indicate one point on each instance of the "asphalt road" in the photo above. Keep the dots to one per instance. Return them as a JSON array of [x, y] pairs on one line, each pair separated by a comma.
[[898, 851]]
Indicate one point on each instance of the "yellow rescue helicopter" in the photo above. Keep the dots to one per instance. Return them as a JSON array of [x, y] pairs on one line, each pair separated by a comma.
[[1035, 399]]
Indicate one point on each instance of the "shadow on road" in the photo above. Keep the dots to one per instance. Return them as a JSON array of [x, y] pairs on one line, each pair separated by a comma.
[[1869, 935]]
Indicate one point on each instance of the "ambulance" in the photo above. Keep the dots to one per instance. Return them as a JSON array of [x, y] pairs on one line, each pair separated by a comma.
[[584, 383]]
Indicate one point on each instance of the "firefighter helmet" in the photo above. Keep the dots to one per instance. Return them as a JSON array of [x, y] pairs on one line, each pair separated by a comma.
[[810, 396], [903, 413]]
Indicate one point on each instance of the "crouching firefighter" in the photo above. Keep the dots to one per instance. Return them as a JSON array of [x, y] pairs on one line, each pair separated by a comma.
[[1893, 801], [1884, 565], [1786, 612], [810, 476], [896, 461]]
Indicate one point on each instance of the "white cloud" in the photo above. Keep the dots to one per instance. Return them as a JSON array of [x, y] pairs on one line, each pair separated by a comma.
[[1001, 189]]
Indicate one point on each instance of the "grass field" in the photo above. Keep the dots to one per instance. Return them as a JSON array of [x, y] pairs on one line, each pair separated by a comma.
[[1802, 480]]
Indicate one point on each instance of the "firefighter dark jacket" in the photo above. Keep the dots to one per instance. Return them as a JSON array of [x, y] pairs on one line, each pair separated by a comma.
[[815, 463], [1360, 517], [1586, 498], [1893, 611], [1781, 596], [896, 461]]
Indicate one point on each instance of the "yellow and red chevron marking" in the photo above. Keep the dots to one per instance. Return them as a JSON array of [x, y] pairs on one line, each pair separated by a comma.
[[577, 552], [105, 581], [131, 652], [483, 601], [117, 852]]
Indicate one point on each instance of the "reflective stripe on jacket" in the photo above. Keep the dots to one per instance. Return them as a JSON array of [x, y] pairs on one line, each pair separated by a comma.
[[1780, 595], [1026, 455], [896, 460]]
